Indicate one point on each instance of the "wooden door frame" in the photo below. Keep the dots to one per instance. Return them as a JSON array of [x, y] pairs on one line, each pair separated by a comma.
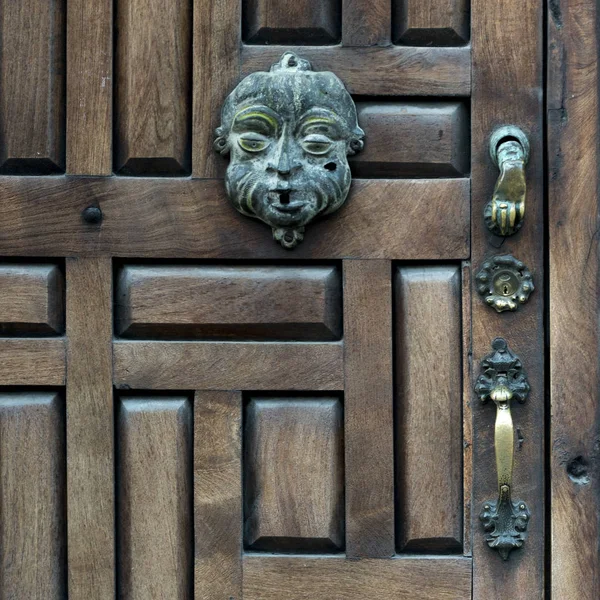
[[574, 268]]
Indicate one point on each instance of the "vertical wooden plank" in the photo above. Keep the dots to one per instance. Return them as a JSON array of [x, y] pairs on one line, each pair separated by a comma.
[[428, 409], [154, 498], [573, 130], [431, 22], [89, 87], [218, 495], [32, 66], [90, 429], [33, 539], [366, 23], [508, 89], [217, 44], [294, 475], [153, 53], [368, 408], [467, 386]]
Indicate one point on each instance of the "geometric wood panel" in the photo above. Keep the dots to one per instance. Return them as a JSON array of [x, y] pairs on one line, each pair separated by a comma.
[[294, 479], [33, 536], [428, 409], [291, 21], [31, 299], [420, 139], [32, 67], [154, 498], [153, 85], [431, 22], [227, 302]]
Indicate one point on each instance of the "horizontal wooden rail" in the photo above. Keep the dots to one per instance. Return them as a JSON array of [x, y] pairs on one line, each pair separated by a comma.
[[186, 218], [229, 365], [32, 361], [379, 71]]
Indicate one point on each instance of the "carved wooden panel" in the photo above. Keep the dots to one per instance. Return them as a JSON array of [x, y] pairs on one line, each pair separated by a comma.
[[291, 21], [32, 69], [153, 86], [428, 409], [154, 498], [31, 299], [33, 535], [431, 22], [229, 302], [420, 139], [294, 474]]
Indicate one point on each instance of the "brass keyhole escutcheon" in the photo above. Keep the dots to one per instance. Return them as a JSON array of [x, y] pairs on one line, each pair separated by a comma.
[[504, 283]]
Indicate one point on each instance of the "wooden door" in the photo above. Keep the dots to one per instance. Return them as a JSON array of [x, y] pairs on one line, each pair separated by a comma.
[[189, 410]]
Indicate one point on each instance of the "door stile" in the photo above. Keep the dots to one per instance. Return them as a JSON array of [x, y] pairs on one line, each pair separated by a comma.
[[573, 188], [507, 41]]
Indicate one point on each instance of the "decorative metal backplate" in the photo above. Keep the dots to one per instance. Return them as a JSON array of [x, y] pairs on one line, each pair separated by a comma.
[[288, 133], [504, 283], [503, 379]]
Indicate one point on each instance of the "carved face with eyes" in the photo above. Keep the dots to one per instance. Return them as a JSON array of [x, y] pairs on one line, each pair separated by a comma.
[[289, 132]]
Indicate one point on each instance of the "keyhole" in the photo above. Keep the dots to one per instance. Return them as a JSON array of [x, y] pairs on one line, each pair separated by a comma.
[[505, 290]]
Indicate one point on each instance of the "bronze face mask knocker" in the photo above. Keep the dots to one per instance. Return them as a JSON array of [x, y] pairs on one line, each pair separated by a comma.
[[288, 133]]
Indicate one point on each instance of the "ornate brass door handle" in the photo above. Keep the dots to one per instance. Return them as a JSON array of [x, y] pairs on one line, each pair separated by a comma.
[[502, 379], [509, 149]]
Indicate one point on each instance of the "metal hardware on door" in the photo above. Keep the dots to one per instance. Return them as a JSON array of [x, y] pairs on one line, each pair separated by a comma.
[[502, 379], [504, 282], [509, 149]]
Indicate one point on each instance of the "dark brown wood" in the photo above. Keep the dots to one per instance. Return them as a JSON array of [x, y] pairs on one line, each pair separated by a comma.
[[270, 303], [428, 409], [153, 70], [507, 89], [368, 409], [33, 534], [89, 87], [218, 495], [294, 475], [431, 22], [32, 67], [377, 71], [185, 219], [467, 410], [228, 365], [573, 128], [421, 139], [297, 578], [31, 299], [216, 65], [154, 498], [291, 22], [90, 430], [366, 23], [32, 361]]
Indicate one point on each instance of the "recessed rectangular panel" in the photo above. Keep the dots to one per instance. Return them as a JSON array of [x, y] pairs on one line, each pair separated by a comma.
[[33, 537], [428, 409], [291, 22], [153, 88], [431, 22], [31, 299], [32, 71], [294, 475], [154, 498], [416, 139], [301, 303]]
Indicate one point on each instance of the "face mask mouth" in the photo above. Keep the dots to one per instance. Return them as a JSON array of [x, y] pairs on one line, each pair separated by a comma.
[[284, 202]]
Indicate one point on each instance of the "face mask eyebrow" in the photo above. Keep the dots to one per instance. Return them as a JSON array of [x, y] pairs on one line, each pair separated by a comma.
[[257, 119]]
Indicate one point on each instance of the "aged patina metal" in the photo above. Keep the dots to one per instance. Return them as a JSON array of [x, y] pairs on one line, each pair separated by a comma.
[[502, 380], [509, 149], [504, 282], [288, 133]]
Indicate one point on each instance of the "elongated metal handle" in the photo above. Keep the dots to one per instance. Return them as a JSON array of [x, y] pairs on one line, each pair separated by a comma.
[[509, 149], [502, 379]]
